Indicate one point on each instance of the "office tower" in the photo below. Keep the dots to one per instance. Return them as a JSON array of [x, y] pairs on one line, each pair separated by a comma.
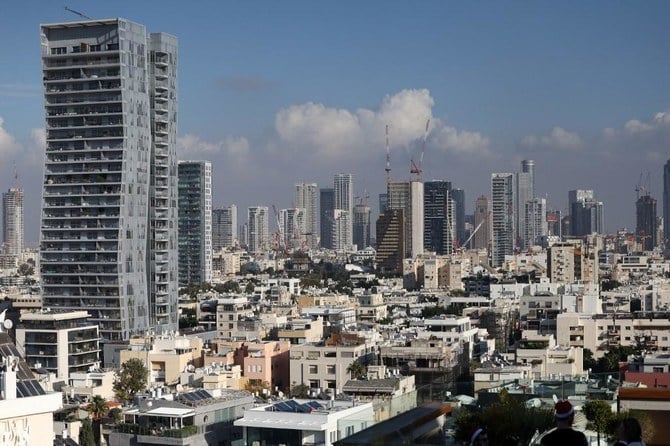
[[292, 224], [535, 214], [458, 196], [439, 228], [525, 191], [502, 217], [645, 229], [258, 231], [383, 203], [482, 236], [224, 227], [666, 202], [326, 209], [408, 196], [343, 189], [586, 214], [361, 225], [391, 241], [109, 195], [306, 198], [12, 221], [195, 222]]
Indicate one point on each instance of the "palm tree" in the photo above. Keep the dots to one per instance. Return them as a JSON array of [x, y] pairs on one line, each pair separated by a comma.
[[97, 408], [356, 369]]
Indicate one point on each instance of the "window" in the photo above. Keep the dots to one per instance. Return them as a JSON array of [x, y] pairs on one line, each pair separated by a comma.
[[313, 369], [330, 369]]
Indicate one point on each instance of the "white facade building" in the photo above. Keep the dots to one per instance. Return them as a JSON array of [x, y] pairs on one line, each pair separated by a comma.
[[306, 198], [258, 230], [12, 221]]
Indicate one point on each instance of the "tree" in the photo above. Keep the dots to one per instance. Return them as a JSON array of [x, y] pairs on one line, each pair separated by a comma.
[[25, 270], [130, 379], [356, 369], [599, 413], [86, 433], [299, 391], [229, 286], [589, 360], [97, 408]]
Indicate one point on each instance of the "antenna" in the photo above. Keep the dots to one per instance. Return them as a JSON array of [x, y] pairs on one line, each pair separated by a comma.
[[388, 158], [77, 13], [16, 177]]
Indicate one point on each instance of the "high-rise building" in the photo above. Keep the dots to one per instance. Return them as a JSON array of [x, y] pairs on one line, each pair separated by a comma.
[[195, 222], [666, 202], [306, 198], [383, 203], [408, 196], [503, 217], [12, 221], [108, 231], [525, 191], [292, 224], [482, 237], [224, 227], [586, 214], [439, 228], [391, 241], [645, 229], [343, 189], [326, 222], [361, 225], [535, 214], [258, 230], [458, 196]]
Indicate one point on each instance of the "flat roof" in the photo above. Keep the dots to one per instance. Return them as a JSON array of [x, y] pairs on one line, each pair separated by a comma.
[[169, 412]]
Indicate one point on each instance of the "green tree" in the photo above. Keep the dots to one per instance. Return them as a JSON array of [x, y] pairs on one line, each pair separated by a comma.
[[86, 437], [589, 361], [356, 369], [130, 379], [188, 318], [299, 391], [599, 413], [97, 408], [229, 286], [25, 270]]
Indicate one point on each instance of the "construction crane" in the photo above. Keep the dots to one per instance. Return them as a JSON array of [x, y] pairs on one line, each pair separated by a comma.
[[473, 233], [417, 168], [364, 198], [388, 158], [77, 13]]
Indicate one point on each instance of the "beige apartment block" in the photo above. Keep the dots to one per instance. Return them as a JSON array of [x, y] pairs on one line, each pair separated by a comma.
[[547, 358], [323, 366], [301, 331], [267, 362], [166, 357], [371, 307], [601, 331]]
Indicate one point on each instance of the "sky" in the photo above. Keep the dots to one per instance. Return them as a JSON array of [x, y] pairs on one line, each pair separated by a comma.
[[276, 93]]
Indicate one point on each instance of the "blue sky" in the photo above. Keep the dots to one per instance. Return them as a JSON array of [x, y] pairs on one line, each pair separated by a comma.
[[280, 92]]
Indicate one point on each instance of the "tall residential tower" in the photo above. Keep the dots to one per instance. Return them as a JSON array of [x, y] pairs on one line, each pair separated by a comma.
[[503, 217], [12, 221], [108, 240]]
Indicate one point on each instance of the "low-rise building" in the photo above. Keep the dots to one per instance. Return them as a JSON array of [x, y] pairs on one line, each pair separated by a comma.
[[371, 307], [301, 330], [548, 359], [304, 422]]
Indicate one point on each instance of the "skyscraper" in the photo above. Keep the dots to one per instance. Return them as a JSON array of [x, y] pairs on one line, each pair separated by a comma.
[[306, 198], [645, 229], [326, 210], [258, 230], [224, 227], [586, 214], [666, 202], [525, 191], [503, 217], [195, 222], [482, 237], [343, 189], [535, 214], [361, 225], [108, 230], [292, 223], [438, 223], [458, 196], [408, 196], [391, 240], [12, 221]]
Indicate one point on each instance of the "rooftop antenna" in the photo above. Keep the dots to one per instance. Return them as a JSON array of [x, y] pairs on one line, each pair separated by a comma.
[[77, 12], [388, 158], [16, 177]]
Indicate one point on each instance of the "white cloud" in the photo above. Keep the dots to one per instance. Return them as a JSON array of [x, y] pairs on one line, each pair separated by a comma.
[[557, 139], [8, 144], [334, 133], [190, 144]]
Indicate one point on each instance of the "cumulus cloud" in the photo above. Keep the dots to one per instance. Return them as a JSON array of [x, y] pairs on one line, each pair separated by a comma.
[[190, 144], [557, 139], [650, 137], [8, 144], [335, 132]]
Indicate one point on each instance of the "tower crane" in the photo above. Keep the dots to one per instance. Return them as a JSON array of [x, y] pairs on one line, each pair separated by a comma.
[[417, 168]]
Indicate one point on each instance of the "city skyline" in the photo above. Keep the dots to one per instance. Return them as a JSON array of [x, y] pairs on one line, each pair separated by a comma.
[[590, 107]]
